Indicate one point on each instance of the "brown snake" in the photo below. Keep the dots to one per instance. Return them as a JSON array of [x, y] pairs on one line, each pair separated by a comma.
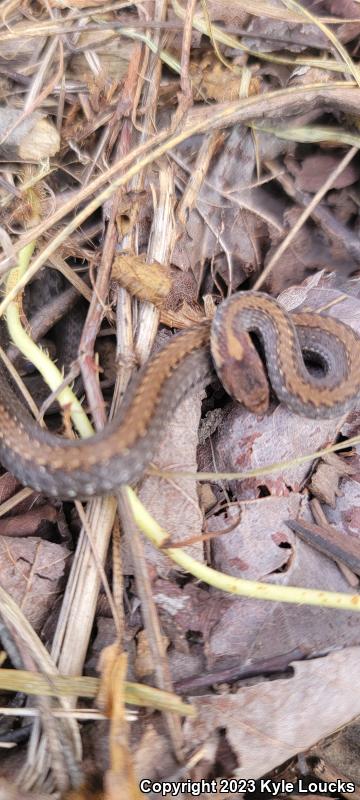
[[120, 453]]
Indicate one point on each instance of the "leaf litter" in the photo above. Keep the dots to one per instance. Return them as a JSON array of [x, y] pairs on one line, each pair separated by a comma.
[[264, 99]]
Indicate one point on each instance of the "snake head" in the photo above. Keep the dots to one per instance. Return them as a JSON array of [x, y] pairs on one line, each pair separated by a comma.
[[240, 369]]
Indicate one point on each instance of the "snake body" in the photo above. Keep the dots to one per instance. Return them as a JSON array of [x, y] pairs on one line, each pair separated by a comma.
[[121, 452]]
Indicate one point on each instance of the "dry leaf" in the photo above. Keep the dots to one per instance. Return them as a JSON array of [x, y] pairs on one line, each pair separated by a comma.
[[30, 139], [312, 172], [325, 479], [346, 514], [244, 442], [212, 80], [231, 221], [146, 281], [32, 571], [261, 547], [31, 523], [266, 724], [308, 251], [153, 757]]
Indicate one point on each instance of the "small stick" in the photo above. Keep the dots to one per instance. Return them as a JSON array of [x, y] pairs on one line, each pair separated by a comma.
[[326, 539]]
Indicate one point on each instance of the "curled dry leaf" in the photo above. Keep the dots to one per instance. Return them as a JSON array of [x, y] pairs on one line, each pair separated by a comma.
[[146, 281], [30, 139], [326, 477], [212, 80]]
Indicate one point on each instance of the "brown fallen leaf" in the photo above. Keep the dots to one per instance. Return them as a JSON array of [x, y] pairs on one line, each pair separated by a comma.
[[325, 480], [312, 171], [29, 524], [268, 723], [181, 308], [232, 218], [114, 56], [153, 757], [32, 572], [308, 251], [244, 442], [261, 547], [188, 615]]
